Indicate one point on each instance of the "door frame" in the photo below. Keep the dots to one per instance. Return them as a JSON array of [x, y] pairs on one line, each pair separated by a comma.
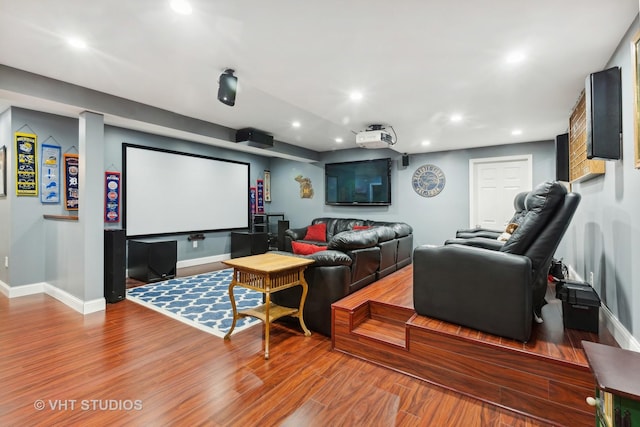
[[472, 167]]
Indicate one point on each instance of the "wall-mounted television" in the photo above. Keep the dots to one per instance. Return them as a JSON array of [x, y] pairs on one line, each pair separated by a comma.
[[603, 101], [358, 183]]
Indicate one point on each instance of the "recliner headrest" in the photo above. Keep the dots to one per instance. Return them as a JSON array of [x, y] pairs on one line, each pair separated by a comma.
[[519, 200]]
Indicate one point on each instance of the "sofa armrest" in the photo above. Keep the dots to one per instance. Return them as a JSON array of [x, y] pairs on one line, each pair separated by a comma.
[[469, 231], [477, 242], [482, 289], [296, 233]]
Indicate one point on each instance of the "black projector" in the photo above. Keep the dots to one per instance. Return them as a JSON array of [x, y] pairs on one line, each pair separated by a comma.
[[254, 138]]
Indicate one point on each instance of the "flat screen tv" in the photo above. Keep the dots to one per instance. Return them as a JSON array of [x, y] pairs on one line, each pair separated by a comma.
[[358, 183]]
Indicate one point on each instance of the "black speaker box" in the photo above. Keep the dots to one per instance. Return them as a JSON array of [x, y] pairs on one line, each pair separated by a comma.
[[603, 100], [562, 157], [405, 160], [114, 265], [254, 138], [227, 89], [152, 261], [283, 226]]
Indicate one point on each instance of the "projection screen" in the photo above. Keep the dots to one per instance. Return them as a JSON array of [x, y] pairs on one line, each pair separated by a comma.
[[168, 192]]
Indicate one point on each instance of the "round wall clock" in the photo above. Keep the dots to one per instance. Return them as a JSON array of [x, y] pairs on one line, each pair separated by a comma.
[[428, 180]]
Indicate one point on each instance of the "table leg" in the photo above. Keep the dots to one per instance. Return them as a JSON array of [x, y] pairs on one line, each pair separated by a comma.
[[303, 298], [233, 307], [267, 324]]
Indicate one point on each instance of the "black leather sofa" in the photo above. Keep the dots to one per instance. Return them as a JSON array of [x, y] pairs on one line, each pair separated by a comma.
[[353, 260], [493, 287]]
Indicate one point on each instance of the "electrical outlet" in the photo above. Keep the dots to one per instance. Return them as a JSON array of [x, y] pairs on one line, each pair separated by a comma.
[[6, 262], [591, 278], [195, 244]]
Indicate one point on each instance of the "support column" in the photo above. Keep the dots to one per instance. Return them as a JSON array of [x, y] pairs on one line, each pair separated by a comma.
[[91, 202]]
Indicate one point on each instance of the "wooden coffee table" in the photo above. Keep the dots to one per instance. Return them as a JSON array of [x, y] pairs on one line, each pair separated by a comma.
[[268, 273]]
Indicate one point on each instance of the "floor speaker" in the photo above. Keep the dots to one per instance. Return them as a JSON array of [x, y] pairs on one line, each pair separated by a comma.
[[562, 157], [282, 227], [114, 265]]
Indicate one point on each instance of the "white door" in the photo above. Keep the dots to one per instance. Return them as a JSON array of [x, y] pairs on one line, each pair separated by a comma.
[[494, 183]]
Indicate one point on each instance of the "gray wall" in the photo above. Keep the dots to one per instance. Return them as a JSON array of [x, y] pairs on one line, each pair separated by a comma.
[[604, 235], [434, 219]]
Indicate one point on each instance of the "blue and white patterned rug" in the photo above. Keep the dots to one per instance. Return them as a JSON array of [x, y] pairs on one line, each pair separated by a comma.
[[201, 301]]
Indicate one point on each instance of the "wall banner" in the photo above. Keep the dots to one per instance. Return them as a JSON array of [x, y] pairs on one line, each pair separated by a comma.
[[71, 175], [260, 195], [252, 199], [267, 186], [112, 197], [26, 170], [50, 173]]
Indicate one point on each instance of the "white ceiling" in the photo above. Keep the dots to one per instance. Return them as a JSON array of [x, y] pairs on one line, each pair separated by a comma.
[[416, 62]]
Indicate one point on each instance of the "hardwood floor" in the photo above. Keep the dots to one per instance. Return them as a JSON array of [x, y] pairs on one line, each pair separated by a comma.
[[134, 366]]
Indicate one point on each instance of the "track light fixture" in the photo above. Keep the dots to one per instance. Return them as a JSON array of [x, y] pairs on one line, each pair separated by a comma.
[[228, 84]]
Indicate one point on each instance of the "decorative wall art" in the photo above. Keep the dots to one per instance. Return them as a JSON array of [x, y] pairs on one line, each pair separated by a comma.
[[111, 197], [306, 189], [252, 199], [428, 180], [71, 179], [259, 196], [267, 186], [636, 91], [50, 173], [3, 171], [26, 171]]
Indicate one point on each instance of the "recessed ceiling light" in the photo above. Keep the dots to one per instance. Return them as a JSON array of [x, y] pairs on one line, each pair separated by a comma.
[[426, 142], [339, 140], [295, 124], [516, 132], [355, 96], [515, 57], [77, 43], [455, 118], [183, 7]]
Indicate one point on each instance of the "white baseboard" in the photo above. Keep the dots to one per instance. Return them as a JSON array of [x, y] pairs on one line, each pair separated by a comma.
[[621, 334], [83, 307], [204, 260]]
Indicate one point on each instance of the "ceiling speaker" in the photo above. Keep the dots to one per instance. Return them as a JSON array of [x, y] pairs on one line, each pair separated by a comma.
[[227, 87]]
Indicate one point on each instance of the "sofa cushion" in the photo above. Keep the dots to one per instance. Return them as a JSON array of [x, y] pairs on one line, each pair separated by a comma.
[[305, 248], [317, 232], [354, 239]]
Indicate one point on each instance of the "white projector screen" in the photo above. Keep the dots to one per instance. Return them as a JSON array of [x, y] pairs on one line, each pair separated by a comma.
[[167, 192]]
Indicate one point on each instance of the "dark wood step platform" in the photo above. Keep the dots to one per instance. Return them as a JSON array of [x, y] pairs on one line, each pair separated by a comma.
[[547, 378]]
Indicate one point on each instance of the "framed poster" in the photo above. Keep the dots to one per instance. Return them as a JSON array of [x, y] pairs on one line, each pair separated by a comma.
[[3, 171], [636, 98], [50, 173], [71, 170], [111, 197], [26, 171]]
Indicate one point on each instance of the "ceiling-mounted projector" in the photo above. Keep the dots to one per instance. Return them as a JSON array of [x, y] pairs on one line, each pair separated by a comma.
[[375, 137]]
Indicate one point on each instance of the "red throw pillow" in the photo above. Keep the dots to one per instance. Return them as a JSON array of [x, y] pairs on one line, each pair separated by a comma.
[[317, 232], [300, 248], [361, 227]]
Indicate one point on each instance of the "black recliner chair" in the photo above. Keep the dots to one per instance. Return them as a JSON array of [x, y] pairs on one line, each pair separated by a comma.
[[496, 289], [520, 212]]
